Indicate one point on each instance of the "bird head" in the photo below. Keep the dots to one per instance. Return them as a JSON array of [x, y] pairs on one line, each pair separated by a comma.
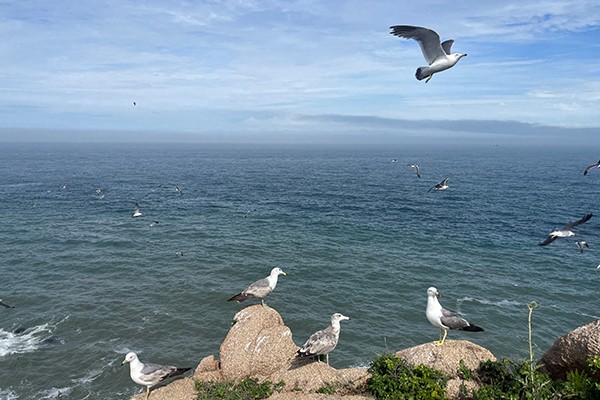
[[433, 292], [338, 317], [277, 271], [129, 358]]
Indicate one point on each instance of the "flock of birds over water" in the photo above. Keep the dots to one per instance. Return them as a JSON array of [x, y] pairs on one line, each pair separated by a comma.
[[439, 58]]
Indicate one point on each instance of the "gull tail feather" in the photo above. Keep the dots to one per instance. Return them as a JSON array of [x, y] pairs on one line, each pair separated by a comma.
[[472, 328], [178, 371], [239, 297], [422, 73]]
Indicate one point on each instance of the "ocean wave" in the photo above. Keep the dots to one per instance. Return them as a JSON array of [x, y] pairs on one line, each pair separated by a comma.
[[7, 394], [27, 340], [502, 303]]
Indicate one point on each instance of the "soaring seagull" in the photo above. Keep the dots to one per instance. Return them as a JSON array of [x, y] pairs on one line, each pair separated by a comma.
[[444, 319], [582, 244], [137, 212], [259, 289], [565, 231], [2, 303], [587, 169], [416, 168], [149, 374], [443, 185], [437, 54], [323, 341]]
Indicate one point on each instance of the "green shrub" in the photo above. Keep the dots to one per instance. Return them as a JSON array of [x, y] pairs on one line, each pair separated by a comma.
[[248, 389]]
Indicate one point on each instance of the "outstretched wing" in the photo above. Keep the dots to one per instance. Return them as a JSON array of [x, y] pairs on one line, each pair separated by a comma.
[[447, 46], [428, 39], [547, 241], [587, 169], [579, 222]]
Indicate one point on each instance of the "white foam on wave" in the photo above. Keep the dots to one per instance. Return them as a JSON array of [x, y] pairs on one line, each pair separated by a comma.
[[502, 303], [7, 394], [55, 393], [29, 340]]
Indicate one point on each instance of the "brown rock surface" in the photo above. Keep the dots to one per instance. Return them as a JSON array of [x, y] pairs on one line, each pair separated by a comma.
[[571, 351]]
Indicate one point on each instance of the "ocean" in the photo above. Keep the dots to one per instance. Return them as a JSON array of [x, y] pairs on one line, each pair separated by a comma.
[[355, 232]]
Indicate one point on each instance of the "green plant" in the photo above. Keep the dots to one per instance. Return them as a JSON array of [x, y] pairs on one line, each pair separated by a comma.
[[327, 389], [392, 378], [248, 389], [464, 372]]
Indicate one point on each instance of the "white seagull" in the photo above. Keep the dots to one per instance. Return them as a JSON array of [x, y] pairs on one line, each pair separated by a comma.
[[587, 169], [582, 244], [137, 212], [259, 289], [323, 341], [416, 168], [149, 374], [444, 319], [443, 185], [565, 231], [437, 54]]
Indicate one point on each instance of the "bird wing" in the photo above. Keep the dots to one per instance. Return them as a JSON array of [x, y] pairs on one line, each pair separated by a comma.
[[154, 373], [2, 303], [428, 39], [548, 240], [320, 342], [447, 46], [433, 187], [259, 289], [587, 169], [579, 222], [452, 320]]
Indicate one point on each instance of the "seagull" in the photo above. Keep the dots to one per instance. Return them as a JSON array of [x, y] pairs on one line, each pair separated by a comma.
[[137, 212], [587, 169], [582, 244], [149, 374], [394, 160], [324, 341], [443, 185], [259, 289], [416, 167], [565, 231], [2, 303], [154, 223], [178, 190], [444, 319], [99, 193], [437, 54]]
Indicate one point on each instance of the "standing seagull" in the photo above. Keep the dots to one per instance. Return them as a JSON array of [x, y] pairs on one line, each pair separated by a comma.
[[2, 303], [565, 231], [582, 244], [443, 185], [587, 169], [259, 289], [149, 374], [416, 168], [444, 319], [137, 212], [324, 341], [437, 54]]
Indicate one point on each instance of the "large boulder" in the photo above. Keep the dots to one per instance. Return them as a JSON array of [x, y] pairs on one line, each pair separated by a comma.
[[572, 351]]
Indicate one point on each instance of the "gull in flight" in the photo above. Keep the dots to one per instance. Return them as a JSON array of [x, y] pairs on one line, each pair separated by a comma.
[[259, 289], [137, 212], [2, 303], [443, 185], [444, 319], [587, 169], [565, 231], [582, 244], [437, 54], [149, 374], [323, 341], [416, 168]]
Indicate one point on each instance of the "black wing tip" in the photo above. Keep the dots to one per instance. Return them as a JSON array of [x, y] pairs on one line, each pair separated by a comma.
[[473, 328], [238, 297]]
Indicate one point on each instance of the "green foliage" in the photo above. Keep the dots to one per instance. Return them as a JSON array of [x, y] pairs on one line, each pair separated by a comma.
[[464, 372], [393, 379], [248, 389], [327, 389]]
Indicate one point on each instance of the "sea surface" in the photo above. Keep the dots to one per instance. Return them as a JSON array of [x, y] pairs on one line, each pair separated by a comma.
[[355, 232]]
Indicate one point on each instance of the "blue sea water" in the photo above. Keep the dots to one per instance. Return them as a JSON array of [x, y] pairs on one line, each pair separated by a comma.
[[356, 234]]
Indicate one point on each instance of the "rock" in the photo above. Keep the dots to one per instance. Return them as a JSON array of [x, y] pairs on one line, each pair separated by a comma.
[[453, 388], [316, 375], [571, 351], [180, 389]]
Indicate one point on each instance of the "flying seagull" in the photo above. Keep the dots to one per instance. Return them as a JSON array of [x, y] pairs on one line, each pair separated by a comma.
[[582, 244], [444, 319], [324, 341], [137, 212], [149, 374], [416, 168], [443, 185], [565, 231], [2, 303], [437, 54], [259, 289], [587, 169]]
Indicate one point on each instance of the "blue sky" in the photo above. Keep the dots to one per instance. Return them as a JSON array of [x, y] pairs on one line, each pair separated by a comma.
[[282, 66]]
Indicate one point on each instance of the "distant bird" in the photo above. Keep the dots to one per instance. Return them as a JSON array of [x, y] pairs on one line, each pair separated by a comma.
[[99, 193], [582, 244], [2, 303], [259, 289], [394, 160], [179, 253], [589, 167], [178, 189], [565, 231], [437, 54], [149, 374], [443, 185], [134, 103], [137, 212], [416, 168], [324, 341], [444, 319], [154, 223]]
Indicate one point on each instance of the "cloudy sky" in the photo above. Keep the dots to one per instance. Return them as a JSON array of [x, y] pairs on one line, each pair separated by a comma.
[[296, 66]]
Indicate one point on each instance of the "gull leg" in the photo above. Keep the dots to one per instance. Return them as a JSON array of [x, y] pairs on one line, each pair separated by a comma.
[[442, 338], [262, 301], [147, 392], [327, 358], [428, 79]]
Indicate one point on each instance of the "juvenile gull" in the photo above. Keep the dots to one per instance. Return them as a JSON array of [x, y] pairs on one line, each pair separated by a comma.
[[259, 289], [416, 168], [437, 54], [444, 319], [149, 374], [443, 185], [589, 167], [565, 231], [582, 244], [137, 212], [324, 341], [2, 303]]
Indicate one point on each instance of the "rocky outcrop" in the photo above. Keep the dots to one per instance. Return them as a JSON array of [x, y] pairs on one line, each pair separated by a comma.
[[571, 351]]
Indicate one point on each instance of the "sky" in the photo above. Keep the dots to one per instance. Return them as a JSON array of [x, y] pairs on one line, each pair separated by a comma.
[[306, 67]]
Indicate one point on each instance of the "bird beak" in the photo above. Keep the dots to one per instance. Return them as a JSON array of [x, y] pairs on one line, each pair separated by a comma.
[[437, 294], [124, 362], [283, 273]]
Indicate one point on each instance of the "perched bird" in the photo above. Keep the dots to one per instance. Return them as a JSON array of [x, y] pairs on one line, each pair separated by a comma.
[[2, 303], [437, 54], [443, 185], [565, 231], [324, 341], [259, 289], [137, 212], [149, 374], [582, 244], [444, 319], [416, 168], [589, 167]]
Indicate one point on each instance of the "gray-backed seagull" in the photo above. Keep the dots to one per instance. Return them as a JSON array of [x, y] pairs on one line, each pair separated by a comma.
[[259, 289], [149, 374], [323, 341], [565, 231]]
